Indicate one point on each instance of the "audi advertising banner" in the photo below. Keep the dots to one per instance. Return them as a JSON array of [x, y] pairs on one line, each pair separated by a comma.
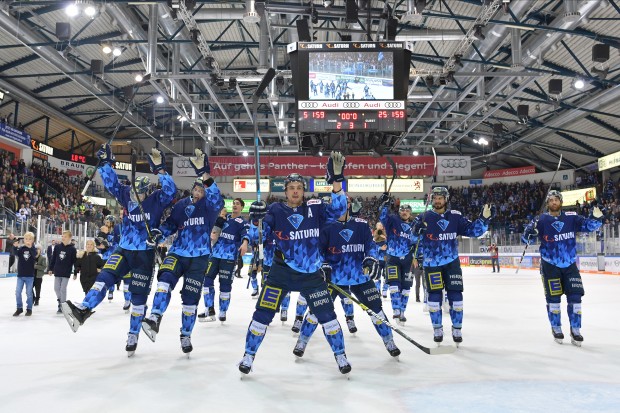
[[502, 173], [454, 166], [307, 166]]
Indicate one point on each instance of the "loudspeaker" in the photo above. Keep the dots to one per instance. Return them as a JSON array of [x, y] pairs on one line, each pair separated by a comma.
[[351, 11], [392, 25], [498, 129], [63, 31], [303, 31], [600, 53], [96, 66], [345, 37], [555, 86], [523, 111]]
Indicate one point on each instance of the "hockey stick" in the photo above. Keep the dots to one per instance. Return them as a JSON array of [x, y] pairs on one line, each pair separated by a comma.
[[135, 193], [432, 351], [393, 165], [542, 207], [428, 200], [116, 129]]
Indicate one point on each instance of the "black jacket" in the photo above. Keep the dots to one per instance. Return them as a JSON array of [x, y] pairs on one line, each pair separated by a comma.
[[87, 267]]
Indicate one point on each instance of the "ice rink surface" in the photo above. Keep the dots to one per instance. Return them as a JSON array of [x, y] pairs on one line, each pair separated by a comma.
[[508, 361]]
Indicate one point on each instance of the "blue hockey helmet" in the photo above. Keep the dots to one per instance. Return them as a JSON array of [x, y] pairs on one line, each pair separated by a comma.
[[440, 191], [295, 178], [554, 193], [142, 184]]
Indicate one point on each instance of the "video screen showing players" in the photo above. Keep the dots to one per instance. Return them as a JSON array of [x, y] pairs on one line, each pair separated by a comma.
[[351, 76]]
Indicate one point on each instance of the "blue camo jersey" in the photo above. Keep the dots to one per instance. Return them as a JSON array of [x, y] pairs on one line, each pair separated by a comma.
[[268, 251], [440, 244], [398, 232], [558, 244], [133, 235], [113, 239], [193, 223], [345, 245], [233, 233], [296, 230], [376, 251]]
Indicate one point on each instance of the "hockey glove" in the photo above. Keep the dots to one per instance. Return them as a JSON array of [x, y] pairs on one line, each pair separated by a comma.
[[488, 212], [596, 213], [326, 272], [385, 197], [200, 162], [530, 233], [157, 161], [419, 227], [156, 236], [335, 168], [219, 223], [105, 155], [370, 266], [258, 210]]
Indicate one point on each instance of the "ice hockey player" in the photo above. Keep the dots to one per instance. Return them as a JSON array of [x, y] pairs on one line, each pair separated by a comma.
[[107, 240], [192, 218], [400, 239], [347, 245], [438, 230], [232, 240], [295, 226], [557, 231], [132, 254]]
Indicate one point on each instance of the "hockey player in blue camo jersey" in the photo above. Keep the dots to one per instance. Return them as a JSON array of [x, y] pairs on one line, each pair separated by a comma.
[[107, 239], [132, 254], [556, 230], [192, 218], [233, 240], [438, 230], [295, 226], [400, 239], [347, 247]]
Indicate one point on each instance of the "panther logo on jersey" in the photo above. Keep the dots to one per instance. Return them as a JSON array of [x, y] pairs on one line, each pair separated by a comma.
[[295, 220], [558, 225], [346, 234], [443, 224]]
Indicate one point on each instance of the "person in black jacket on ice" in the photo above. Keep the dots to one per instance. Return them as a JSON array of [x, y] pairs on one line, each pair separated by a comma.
[[88, 265]]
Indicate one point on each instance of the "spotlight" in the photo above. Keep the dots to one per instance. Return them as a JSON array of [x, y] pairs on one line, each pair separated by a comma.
[[106, 49], [117, 51], [478, 32], [210, 62], [320, 153], [90, 11], [450, 77], [160, 99], [442, 80], [415, 153], [430, 82], [600, 73], [72, 10], [579, 84], [139, 78], [232, 83], [245, 153]]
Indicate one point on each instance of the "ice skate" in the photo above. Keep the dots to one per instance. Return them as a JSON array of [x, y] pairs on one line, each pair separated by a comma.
[[351, 324], [75, 316], [558, 336], [222, 316], [457, 335], [575, 337], [245, 365], [132, 344], [297, 324], [186, 344], [394, 351], [283, 316], [402, 319], [438, 335], [110, 296], [207, 316], [300, 348], [343, 364], [150, 326], [255, 293], [396, 315], [127, 306]]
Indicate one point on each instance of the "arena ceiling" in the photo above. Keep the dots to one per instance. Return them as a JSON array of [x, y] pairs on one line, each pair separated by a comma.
[[495, 54]]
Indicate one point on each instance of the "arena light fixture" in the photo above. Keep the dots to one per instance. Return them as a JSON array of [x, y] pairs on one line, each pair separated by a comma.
[[117, 51], [415, 153], [159, 99], [245, 153], [106, 48], [139, 78], [579, 84], [90, 10], [72, 10]]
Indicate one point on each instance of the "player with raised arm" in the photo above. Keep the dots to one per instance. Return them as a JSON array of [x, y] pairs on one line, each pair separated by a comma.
[[132, 254], [400, 239], [439, 229], [347, 247], [295, 226], [556, 230], [192, 218], [233, 240]]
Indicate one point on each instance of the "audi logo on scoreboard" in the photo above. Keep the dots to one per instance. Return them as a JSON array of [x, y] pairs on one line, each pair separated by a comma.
[[351, 104], [453, 166]]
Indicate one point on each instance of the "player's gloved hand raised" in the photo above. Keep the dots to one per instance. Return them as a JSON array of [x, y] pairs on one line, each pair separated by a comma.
[[530, 233], [258, 210], [200, 162], [371, 267], [335, 168], [157, 160], [488, 212], [219, 222], [419, 227], [326, 272], [156, 236], [105, 154]]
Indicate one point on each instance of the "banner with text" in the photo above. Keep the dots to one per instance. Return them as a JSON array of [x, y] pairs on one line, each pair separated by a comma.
[[321, 186], [502, 173], [366, 185], [14, 134], [569, 198], [249, 185], [609, 161], [228, 204], [310, 166], [453, 165], [406, 185], [417, 205]]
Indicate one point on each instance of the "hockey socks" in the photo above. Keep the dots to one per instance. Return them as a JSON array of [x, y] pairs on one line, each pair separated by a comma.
[[396, 300], [188, 320], [456, 314], [347, 306], [161, 298], [555, 314], [209, 296], [404, 300], [286, 301], [95, 295], [137, 315], [334, 336], [302, 306], [434, 309], [126, 293], [384, 331], [308, 326], [224, 301], [574, 315], [255, 336]]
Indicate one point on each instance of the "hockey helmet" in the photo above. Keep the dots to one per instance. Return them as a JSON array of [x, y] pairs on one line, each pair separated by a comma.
[[110, 218], [141, 184], [294, 178], [440, 191], [405, 207], [197, 182], [554, 193]]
